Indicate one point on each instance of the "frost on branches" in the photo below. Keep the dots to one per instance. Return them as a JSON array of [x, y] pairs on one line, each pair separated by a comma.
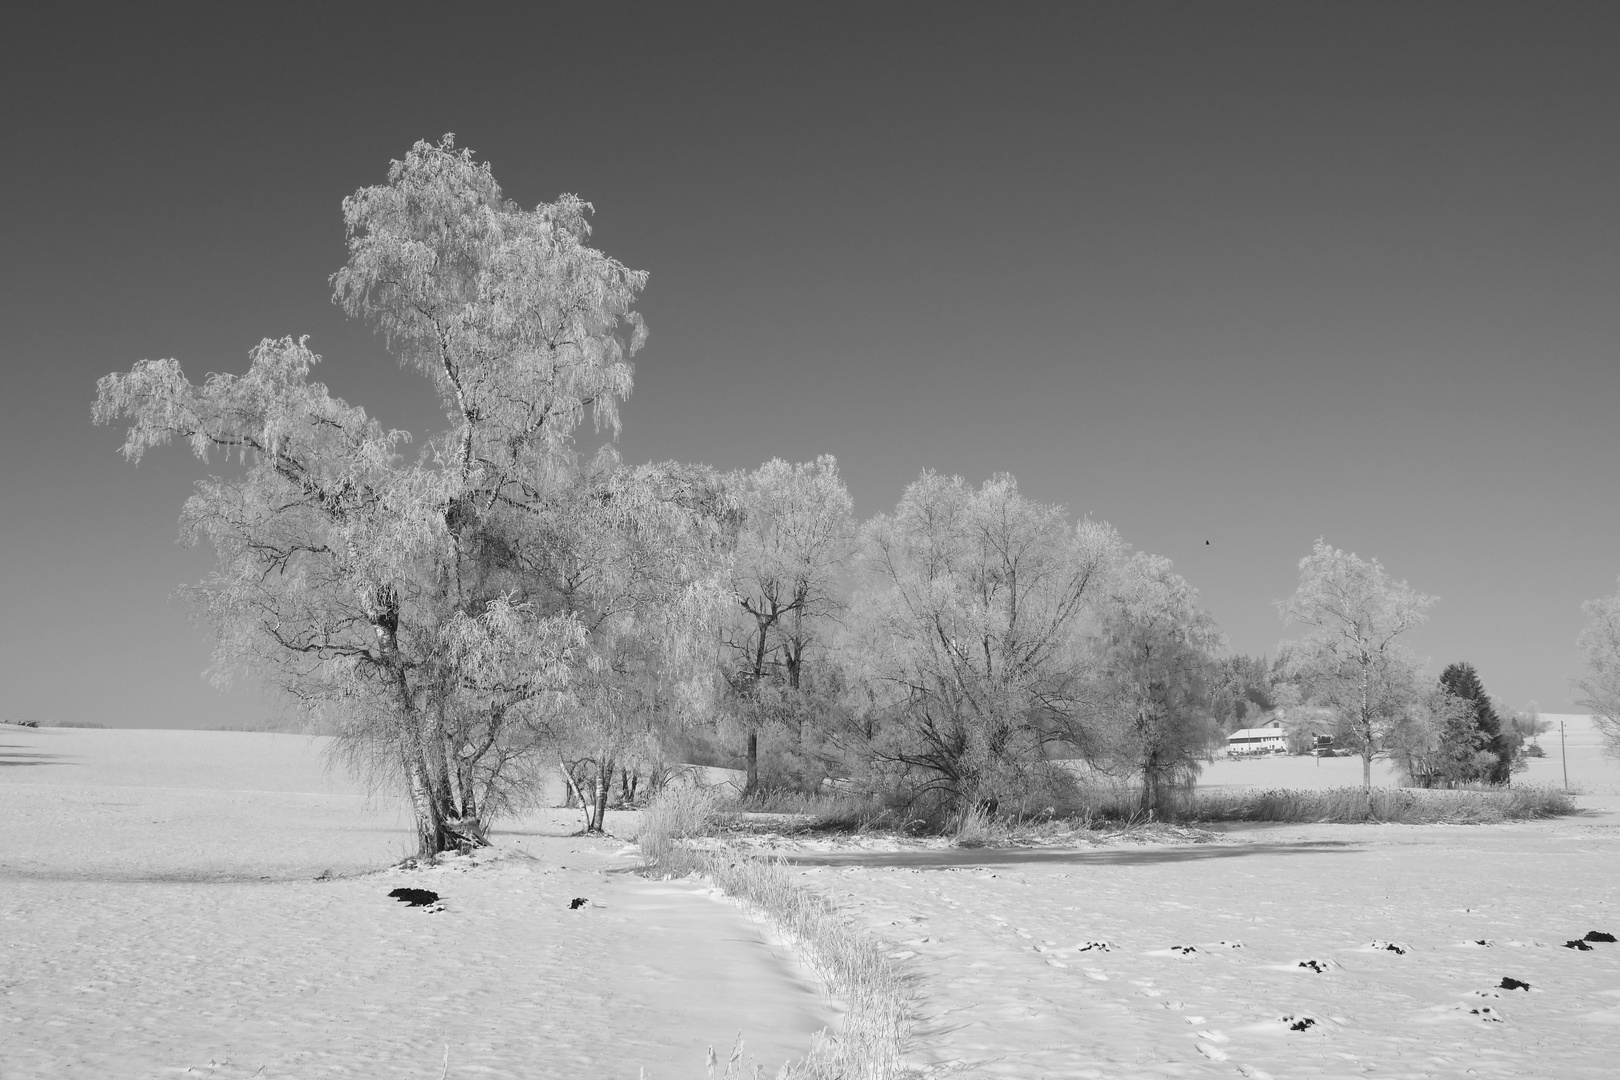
[[460, 614]]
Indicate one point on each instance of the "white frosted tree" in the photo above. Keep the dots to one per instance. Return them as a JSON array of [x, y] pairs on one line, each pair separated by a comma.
[[1600, 687], [969, 638], [1352, 656], [449, 613], [1154, 663], [795, 536]]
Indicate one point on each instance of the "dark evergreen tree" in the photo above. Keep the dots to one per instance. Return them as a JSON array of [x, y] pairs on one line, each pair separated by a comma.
[[1462, 681]]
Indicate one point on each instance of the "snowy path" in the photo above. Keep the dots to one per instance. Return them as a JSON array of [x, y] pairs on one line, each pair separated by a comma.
[[1264, 953], [160, 917]]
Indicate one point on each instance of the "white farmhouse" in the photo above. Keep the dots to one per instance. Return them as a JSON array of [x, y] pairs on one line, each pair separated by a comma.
[[1269, 739]]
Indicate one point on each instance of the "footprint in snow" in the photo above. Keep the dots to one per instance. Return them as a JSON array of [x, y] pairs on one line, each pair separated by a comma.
[[1194, 950], [1208, 1040], [1483, 1012]]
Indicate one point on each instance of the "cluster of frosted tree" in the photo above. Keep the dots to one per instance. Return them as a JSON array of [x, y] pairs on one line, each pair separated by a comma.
[[473, 613], [969, 648]]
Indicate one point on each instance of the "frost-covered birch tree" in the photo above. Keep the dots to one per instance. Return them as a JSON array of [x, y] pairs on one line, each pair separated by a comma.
[[1352, 656], [423, 604]]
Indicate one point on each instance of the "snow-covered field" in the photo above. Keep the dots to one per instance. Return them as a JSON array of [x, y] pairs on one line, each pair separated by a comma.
[[160, 913], [1273, 950], [160, 916]]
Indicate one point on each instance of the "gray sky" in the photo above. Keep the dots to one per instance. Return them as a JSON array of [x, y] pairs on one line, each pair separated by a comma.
[[1244, 273]]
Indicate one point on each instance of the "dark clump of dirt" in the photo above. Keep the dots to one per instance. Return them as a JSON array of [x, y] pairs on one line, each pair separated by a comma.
[[415, 897], [1578, 945], [1184, 949], [576, 903], [1299, 1025], [1317, 966], [1509, 983], [1598, 935]]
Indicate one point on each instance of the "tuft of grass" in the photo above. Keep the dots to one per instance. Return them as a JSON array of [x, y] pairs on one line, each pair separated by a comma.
[[678, 813], [975, 829], [852, 964]]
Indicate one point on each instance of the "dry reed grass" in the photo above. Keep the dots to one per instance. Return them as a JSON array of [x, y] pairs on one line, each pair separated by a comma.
[[1413, 806]]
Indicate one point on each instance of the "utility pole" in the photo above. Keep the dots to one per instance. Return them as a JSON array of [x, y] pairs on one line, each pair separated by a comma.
[[1563, 753]]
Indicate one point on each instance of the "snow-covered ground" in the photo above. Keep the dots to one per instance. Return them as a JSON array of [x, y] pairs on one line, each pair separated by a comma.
[[160, 916], [1283, 951], [159, 913]]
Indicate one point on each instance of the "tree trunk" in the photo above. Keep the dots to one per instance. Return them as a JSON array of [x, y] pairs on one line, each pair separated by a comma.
[[429, 825], [1366, 764], [452, 779], [753, 762], [601, 786], [573, 788], [604, 781]]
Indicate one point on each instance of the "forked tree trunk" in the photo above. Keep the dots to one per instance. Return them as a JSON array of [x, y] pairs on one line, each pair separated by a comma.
[[424, 808], [573, 788]]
